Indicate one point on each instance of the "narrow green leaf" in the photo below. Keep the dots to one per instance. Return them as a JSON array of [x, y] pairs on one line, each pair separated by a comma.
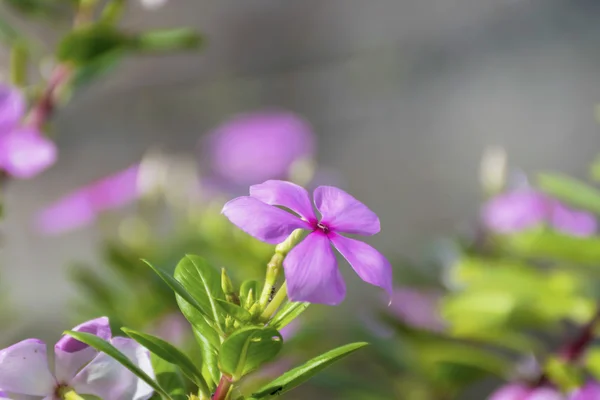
[[287, 314], [203, 283], [169, 378], [301, 374], [247, 349], [177, 287], [235, 311], [167, 40], [571, 191], [199, 322], [169, 353], [105, 347]]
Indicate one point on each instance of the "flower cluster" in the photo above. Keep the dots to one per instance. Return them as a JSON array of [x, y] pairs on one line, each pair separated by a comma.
[[25, 371]]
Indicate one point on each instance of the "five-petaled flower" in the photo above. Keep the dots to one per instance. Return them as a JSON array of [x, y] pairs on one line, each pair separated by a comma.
[[310, 267], [24, 371], [24, 151]]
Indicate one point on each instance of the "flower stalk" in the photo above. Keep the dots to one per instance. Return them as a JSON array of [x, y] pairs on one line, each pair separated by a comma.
[[275, 303], [222, 391], [276, 264]]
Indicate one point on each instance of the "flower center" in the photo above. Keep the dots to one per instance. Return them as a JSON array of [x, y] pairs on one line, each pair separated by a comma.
[[323, 228]]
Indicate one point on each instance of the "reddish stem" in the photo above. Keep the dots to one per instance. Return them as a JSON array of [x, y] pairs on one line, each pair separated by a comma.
[[222, 389], [45, 106], [574, 350]]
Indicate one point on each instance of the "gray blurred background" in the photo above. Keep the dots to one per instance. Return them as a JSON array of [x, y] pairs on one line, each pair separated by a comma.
[[404, 95]]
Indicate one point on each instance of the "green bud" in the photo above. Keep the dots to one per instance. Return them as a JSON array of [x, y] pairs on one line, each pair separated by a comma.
[[250, 300], [255, 310]]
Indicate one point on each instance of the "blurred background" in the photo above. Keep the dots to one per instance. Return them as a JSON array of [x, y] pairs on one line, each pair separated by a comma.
[[403, 95]]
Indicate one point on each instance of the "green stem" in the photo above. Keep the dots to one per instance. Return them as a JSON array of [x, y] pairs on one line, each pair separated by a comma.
[[276, 264], [275, 303], [18, 64], [113, 11]]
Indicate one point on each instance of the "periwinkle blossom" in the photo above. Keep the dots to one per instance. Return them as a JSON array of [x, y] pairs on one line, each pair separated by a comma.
[[24, 151], [25, 372], [589, 391], [418, 308], [253, 147], [310, 267], [519, 210], [83, 206], [516, 391]]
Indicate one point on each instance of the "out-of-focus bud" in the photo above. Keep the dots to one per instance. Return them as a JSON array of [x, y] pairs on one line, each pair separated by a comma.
[[492, 172]]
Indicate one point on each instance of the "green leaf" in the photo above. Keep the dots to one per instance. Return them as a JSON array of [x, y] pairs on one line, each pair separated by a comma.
[[571, 191], [105, 347], [86, 45], [287, 314], [247, 349], [543, 244], [97, 68], [234, 310], [169, 353], [169, 378], [245, 289], [199, 323], [167, 40], [203, 283], [210, 359], [177, 287], [301, 374]]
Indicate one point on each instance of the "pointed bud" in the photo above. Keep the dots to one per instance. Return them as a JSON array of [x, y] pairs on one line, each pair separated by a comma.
[[255, 310], [226, 284], [250, 299]]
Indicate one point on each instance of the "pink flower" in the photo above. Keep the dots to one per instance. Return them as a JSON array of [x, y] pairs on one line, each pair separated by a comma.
[[24, 369], [515, 391], [590, 391], [311, 267], [523, 209], [254, 147], [82, 206], [24, 151], [417, 308]]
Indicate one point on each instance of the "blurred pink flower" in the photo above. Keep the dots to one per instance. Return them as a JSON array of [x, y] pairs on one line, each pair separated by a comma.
[[173, 328], [590, 391], [523, 209], [516, 391], [253, 147], [417, 308], [82, 206], [24, 151]]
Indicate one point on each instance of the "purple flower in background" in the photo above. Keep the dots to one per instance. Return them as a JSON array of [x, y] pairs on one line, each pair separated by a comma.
[[82, 206], [590, 391], [515, 391], [173, 328], [254, 147], [417, 308], [523, 209], [311, 267], [24, 369], [24, 151]]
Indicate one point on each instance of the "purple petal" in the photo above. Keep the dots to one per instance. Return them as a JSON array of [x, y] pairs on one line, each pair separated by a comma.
[[572, 222], [369, 264], [287, 194], [71, 354], [71, 212], [25, 153], [12, 108], [545, 394], [252, 148], [116, 190], [266, 223], [24, 369], [290, 330], [343, 213], [106, 378], [312, 273], [515, 211], [511, 391], [589, 391]]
